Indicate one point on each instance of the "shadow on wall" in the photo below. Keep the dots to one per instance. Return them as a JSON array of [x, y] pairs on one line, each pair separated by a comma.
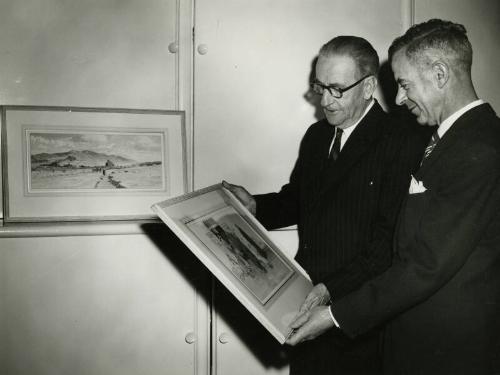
[[389, 89], [180, 257], [310, 96], [388, 86], [252, 334]]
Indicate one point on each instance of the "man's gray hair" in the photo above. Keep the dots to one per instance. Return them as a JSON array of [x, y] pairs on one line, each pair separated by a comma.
[[435, 38], [359, 49]]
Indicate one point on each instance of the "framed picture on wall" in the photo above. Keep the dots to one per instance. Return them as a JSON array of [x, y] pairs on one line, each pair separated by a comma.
[[1, 180], [235, 247], [61, 163]]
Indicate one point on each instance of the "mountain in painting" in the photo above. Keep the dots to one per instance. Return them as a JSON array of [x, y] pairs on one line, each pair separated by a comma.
[[85, 158]]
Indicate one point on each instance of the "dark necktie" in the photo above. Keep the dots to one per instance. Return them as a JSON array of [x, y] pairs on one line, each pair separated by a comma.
[[335, 151], [432, 143]]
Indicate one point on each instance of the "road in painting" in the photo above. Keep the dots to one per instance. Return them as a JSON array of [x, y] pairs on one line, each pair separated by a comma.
[[242, 251], [95, 160]]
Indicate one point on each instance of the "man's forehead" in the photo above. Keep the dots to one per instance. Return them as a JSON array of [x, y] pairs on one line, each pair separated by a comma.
[[337, 58], [336, 64]]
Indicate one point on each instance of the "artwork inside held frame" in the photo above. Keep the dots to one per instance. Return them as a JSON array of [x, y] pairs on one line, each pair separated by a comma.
[[69, 164], [243, 251], [235, 247]]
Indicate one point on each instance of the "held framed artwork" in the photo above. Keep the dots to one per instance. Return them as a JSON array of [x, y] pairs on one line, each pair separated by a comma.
[[236, 248], [78, 164]]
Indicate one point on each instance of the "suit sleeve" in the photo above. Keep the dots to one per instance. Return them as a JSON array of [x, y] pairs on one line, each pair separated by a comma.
[[454, 216], [405, 155], [278, 210]]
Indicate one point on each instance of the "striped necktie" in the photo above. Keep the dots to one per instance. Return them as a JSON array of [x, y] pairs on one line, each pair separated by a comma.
[[432, 143]]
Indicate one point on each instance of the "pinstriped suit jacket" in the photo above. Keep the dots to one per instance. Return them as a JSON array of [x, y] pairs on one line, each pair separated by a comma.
[[345, 210]]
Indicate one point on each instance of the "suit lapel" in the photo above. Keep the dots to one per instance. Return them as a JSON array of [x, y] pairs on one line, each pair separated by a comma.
[[461, 129], [359, 142]]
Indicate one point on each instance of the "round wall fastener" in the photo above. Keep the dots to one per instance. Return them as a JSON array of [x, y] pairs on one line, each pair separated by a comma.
[[202, 49], [173, 47], [190, 337], [224, 338]]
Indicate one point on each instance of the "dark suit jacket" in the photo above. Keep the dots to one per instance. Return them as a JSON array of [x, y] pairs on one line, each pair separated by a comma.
[[443, 289], [345, 210]]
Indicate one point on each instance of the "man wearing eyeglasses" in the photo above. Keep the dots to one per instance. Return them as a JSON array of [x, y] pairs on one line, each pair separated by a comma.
[[344, 194]]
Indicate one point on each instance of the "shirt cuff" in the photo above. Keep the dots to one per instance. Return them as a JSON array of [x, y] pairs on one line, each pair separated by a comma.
[[333, 318]]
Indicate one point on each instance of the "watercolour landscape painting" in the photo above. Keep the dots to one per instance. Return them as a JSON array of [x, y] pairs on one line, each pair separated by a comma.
[[241, 250], [59, 160]]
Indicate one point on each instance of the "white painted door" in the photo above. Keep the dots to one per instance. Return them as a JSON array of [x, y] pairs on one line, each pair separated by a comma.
[[252, 66]]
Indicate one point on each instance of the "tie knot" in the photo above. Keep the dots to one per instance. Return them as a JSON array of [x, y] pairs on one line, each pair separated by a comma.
[[432, 143], [435, 136], [335, 148]]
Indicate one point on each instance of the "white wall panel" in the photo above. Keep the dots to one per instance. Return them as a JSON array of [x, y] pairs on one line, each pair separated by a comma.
[[112, 304], [108, 53], [249, 106]]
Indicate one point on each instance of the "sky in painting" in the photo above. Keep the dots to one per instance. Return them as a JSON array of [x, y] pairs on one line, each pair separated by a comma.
[[137, 146]]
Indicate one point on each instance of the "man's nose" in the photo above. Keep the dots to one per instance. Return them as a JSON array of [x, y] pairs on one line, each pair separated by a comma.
[[326, 98], [400, 96]]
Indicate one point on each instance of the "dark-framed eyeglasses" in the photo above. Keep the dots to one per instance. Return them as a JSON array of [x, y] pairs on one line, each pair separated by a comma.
[[337, 92]]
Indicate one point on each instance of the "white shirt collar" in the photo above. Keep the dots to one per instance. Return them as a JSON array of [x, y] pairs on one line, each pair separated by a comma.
[[450, 120]]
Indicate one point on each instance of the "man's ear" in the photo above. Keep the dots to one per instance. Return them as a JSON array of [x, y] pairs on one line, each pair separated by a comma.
[[441, 73], [369, 87]]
